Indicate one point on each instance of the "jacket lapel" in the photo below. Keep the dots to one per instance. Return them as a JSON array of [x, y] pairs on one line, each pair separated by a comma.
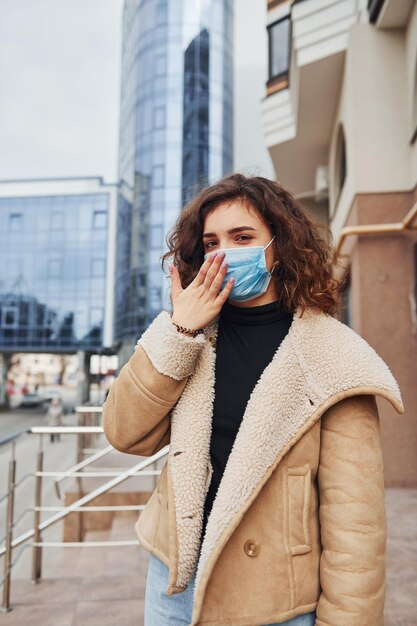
[[303, 375], [273, 415], [280, 403]]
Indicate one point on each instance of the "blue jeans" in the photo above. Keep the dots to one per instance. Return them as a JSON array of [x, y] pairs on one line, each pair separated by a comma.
[[176, 610]]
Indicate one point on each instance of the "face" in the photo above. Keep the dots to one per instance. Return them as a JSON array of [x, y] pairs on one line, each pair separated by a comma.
[[233, 224]]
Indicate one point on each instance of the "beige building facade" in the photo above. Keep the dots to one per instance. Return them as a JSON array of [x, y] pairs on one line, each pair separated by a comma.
[[340, 123]]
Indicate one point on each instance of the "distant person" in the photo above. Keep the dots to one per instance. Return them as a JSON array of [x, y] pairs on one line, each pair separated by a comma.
[[54, 415]]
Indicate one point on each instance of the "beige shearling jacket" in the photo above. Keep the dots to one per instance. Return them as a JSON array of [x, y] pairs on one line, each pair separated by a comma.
[[298, 523]]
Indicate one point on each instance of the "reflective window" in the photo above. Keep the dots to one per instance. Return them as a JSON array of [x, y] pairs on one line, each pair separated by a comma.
[[158, 176], [96, 316], [54, 268], [15, 221], [57, 220], [99, 220], [279, 47], [52, 271], [159, 117], [9, 317], [160, 65], [98, 267]]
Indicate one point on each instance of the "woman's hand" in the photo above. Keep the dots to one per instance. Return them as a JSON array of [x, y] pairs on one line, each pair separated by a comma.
[[198, 304]]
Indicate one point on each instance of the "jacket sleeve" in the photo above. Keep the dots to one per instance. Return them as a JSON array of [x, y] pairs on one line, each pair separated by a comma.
[[352, 515], [136, 413]]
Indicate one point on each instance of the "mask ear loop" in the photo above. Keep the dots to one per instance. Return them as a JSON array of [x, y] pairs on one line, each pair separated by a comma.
[[266, 248], [270, 242]]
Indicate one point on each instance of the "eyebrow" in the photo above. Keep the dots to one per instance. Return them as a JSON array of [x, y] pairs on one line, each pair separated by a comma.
[[236, 229]]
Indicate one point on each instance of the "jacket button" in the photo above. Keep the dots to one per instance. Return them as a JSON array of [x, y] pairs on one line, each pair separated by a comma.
[[251, 547]]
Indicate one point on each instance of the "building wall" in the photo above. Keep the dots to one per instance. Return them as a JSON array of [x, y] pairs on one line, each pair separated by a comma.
[[376, 112], [383, 282], [368, 73]]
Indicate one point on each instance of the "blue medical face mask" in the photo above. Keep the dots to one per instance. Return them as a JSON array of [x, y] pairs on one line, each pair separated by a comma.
[[247, 265]]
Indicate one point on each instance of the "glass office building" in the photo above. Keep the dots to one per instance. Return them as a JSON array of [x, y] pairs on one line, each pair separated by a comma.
[[176, 136], [56, 265]]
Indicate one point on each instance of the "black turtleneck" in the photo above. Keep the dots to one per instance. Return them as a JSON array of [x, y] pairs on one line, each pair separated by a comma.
[[247, 339]]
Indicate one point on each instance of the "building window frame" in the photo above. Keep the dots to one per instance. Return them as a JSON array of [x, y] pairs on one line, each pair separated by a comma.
[[281, 79], [374, 10], [99, 219], [4, 312], [160, 67], [158, 176], [159, 117], [15, 221], [55, 268], [95, 316], [98, 267], [57, 220]]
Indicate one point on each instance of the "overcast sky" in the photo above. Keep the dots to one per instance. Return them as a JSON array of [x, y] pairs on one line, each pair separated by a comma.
[[60, 87]]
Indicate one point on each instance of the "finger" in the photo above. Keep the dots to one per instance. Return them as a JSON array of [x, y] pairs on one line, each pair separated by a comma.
[[224, 294], [212, 271], [218, 280], [201, 275], [176, 286]]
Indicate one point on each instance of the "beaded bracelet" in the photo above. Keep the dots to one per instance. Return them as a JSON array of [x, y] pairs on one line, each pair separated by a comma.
[[181, 329]]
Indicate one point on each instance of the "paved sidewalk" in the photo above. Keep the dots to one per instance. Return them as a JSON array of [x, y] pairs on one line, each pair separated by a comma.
[[401, 603], [105, 587], [86, 586]]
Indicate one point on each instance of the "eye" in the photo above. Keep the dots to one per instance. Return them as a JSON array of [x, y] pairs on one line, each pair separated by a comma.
[[244, 236]]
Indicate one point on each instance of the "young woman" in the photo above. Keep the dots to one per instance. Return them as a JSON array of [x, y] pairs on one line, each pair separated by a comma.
[[270, 507]]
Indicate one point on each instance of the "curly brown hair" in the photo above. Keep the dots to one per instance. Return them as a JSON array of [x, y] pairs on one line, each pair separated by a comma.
[[303, 272]]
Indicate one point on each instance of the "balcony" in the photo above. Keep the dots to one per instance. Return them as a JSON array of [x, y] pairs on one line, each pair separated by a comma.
[[298, 116]]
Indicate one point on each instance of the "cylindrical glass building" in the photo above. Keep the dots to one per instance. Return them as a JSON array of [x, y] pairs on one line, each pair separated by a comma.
[[176, 136]]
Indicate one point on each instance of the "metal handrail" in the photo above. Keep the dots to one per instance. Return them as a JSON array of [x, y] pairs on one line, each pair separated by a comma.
[[90, 474], [405, 225], [110, 507], [88, 409], [139, 469], [46, 430], [50, 429], [87, 498], [85, 463], [13, 437]]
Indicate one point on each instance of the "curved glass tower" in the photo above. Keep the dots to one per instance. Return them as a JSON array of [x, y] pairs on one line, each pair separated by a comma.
[[176, 136]]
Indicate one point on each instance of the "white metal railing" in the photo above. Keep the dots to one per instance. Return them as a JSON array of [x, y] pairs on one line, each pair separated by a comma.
[[81, 469]]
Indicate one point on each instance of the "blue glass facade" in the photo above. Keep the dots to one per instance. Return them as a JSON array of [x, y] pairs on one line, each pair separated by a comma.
[[176, 136], [53, 272]]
